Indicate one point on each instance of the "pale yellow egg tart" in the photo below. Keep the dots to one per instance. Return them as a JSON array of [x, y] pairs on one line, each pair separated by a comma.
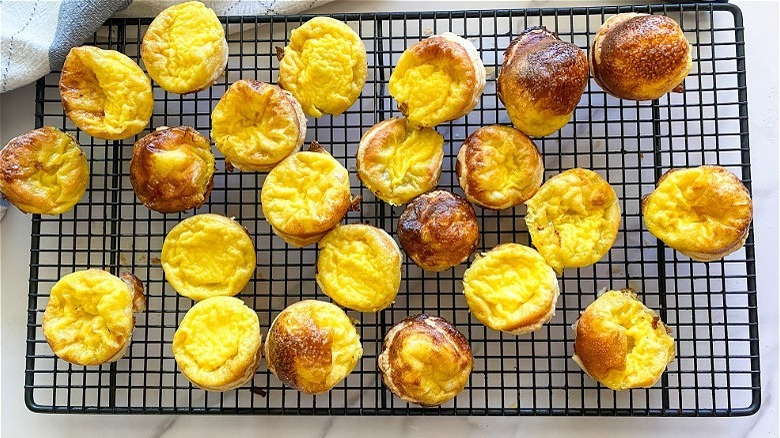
[[312, 346], [621, 343], [324, 66], [105, 93], [217, 345], [257, 125], [89, 318], [43, 171], [208, 255]]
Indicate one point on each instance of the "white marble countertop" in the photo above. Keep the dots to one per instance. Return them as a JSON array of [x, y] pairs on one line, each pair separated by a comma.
[[761, 36]]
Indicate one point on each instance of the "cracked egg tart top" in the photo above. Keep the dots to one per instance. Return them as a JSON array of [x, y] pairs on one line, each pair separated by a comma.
[[89, 318], [425, 360], [573, 219], [359, 267], [105, 93], [217, 344], [257, 125], [208, 255], [184, 48], [398, 161], [703, 212], [324, 66], [172, 169], [621, 343], [312, 346], [499, 167], [511, 288], [438, 79], [305, 196], [43, 171]]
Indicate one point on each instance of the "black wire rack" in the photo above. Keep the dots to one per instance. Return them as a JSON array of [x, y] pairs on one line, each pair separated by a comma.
[[710, 307]]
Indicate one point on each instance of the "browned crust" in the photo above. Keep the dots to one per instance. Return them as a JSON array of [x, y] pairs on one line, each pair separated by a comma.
[[136, 289], [438, 230], [599, 351]]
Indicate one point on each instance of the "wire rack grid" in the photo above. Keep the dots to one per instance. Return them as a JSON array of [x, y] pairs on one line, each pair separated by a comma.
[[711, 308]]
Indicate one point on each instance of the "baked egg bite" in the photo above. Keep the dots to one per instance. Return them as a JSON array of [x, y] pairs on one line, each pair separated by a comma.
[[312, 346], [499, 167], [89, 318], [184, 49], [324, 66], [621, 343], [217, 344], [257, 125], [398, 161], [438, 230], [541, 81], [359, 267], [438, 79], [639, 56], [105, 93], [43, 171], [208, 255], [172, 169], [511, 288], [704, 212], [306, 196], [573, 219], [425, 360]]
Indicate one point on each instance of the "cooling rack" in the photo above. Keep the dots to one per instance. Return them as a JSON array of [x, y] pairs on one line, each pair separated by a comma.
[[710, 307]]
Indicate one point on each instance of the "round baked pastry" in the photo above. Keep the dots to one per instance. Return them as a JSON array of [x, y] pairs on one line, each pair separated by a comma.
[[359, 267], [172, 169], [312, 346], [438, 79], [704, 212], [541, 81], [89, 318], [573, 219], [324, 66], [640, 57], [217, 344], [43, 171], [621, 343], [511, 288], [425, 360], [438, 230], [208, 255], [105, 93], [184, 48], [257, 125], [499, 167], [306, 196], [398, 161]]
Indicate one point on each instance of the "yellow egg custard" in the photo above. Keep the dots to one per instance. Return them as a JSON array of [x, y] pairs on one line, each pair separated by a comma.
[[43, 171], [257, 125], [312, 346], [172, 169], [511, 288], [425, 360], [184, 48], [359, 267], [105, 93], [573, 219], [438, 79], [703, 212], [305, 196], [217, 344], [89, 318], [324, 66], [621, 343], [208, 255], [398, 161], [499, 167]]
